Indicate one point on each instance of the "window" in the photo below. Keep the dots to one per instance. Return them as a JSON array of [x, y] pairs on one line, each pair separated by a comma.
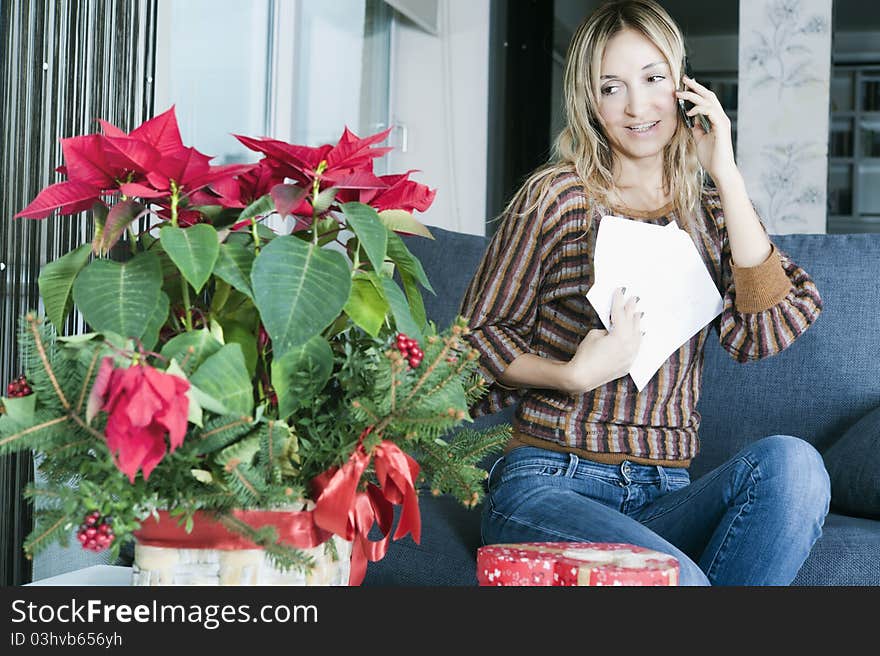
[[296, 70], [854, 150]]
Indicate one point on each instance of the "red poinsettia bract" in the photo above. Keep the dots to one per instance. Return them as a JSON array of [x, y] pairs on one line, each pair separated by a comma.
[[150, 162], [143, 406], [347, 167]]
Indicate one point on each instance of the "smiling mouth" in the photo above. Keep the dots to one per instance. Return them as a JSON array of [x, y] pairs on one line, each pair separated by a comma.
[[644, 127]]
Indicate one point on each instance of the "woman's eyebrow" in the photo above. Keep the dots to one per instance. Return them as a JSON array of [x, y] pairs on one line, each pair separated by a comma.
[[647, 66]]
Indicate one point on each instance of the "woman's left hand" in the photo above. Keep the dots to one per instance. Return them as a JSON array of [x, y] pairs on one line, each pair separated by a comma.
[[715, 149]]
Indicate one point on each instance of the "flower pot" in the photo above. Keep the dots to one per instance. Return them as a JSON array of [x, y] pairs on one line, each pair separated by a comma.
[[165, 554]]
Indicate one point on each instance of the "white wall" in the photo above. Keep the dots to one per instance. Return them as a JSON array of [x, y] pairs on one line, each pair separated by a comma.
[[439, 100]]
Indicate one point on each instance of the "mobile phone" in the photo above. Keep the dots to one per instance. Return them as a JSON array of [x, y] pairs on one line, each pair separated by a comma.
[[684, 106]]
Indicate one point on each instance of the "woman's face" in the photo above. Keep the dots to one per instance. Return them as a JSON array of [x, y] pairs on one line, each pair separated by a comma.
[[637, 103]]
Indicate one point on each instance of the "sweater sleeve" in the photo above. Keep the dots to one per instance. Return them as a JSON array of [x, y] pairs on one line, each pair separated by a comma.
[[501, 304], [765, 307]]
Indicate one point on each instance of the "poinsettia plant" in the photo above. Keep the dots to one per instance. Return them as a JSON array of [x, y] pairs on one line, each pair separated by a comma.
[[256, 336]]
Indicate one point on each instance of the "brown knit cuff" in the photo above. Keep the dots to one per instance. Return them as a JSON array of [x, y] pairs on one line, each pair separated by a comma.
[[759, 288]]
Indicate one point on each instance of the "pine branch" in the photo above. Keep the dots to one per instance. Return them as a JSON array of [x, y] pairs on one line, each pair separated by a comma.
[[245, 482], [274, 437], [77, 446], [49, 525], [220, 432], [17, 441], [82, 394], [31, 491], [283, 557], [473, 446], [453, 468], [33, 326]]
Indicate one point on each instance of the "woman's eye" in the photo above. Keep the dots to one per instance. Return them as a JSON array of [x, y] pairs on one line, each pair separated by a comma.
[[656, 78], [607, 91]]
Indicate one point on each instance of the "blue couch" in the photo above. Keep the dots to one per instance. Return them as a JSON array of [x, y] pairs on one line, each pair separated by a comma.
[[817, 390]]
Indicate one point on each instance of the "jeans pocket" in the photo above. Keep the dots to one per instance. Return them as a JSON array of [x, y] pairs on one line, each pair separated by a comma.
[[530, 469]]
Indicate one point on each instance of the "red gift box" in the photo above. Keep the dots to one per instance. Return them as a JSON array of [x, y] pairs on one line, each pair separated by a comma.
[[574, 563]]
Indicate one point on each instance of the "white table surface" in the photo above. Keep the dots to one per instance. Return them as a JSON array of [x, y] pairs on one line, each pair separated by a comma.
[[90, 576]]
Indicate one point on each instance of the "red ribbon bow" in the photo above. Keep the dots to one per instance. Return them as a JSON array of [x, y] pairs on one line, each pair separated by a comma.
[[342, 510]]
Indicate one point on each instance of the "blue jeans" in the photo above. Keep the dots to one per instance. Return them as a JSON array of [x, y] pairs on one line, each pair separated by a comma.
[[751, 521]]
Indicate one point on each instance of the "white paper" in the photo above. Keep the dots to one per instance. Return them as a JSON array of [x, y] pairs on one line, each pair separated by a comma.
[[660, 265]]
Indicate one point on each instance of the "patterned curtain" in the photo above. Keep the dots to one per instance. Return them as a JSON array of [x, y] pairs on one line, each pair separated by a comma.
[[65, 63]]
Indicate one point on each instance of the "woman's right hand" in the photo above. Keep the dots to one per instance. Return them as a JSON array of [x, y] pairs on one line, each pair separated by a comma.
[[605, 355]]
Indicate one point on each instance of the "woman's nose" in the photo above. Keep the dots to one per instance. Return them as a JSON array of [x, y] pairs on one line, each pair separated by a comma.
[[635, 102]]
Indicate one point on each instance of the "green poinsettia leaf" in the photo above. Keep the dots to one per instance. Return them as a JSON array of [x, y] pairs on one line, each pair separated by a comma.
[[123, 298], [202, 343], [414, 297], [206, 401], [324, 199], [234, 266], [403, 221], [238, 333], [260, 207], [193, 250], [115, 223], [202, 476], [224, 377], [371, 233], [194, 408], [99, 214], [300, 374], [406, 261], [367, 305], [20, 409], [56, 283], [299, 289], [155, 321], [403, 319]]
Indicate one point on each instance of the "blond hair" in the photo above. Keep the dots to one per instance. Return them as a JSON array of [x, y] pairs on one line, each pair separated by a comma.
[[582, 146]]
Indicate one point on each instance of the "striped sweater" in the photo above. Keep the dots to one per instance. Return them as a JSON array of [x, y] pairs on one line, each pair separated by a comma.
[[529, 296]]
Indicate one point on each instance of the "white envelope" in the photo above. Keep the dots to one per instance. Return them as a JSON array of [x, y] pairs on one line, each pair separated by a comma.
[[660, 265]]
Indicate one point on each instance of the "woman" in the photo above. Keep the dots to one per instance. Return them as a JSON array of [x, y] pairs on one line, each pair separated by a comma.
[[591, 457]]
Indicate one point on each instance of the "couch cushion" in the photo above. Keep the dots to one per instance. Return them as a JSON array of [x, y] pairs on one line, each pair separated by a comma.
[[853, 463], [446, 555], [847, 553], [449, 260], [823, 383], [815, 389]]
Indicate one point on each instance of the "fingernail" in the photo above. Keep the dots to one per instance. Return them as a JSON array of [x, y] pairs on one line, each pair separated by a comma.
[[623, 290], [637, 299], [641, 314], [643, 333]]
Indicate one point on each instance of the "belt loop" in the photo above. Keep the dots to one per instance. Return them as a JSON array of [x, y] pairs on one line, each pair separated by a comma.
[[625, 471], [664, 479], [573, 461]]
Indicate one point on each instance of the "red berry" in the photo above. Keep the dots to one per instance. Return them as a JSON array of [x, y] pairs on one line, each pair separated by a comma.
[[95, 533]]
